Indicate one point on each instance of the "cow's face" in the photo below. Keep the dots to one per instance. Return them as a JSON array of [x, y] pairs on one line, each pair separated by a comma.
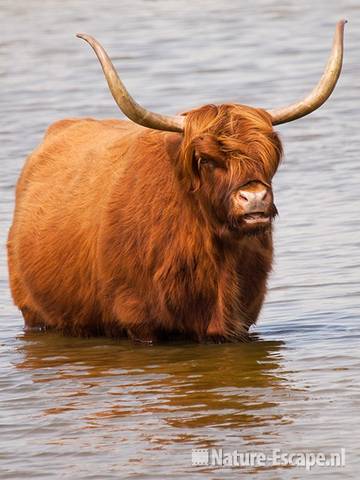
[[231, 163]]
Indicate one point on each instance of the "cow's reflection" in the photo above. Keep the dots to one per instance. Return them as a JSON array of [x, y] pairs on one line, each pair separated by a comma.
[[183, 385]]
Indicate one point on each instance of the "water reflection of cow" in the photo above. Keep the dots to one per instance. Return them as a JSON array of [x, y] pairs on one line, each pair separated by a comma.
[[184, 385], [120, 229]]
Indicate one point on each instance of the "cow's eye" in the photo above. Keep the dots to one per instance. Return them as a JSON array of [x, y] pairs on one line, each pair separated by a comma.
[[202, 161]]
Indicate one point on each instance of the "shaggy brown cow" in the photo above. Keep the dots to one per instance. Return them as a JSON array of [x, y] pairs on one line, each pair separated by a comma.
[[121, 229]]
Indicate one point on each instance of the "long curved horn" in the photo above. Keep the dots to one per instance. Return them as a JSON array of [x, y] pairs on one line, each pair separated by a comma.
[[127, 104], [323, 89]]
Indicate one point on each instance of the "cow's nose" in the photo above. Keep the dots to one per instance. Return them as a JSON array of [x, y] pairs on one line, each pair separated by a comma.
[[258, 201]]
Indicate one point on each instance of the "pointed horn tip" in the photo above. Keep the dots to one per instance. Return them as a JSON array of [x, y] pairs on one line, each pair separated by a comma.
[[82, 35], [341, 24], [340, 27]]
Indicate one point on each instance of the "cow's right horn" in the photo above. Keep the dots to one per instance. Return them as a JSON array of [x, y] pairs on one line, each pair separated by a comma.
[[127, 104], [323, 89]]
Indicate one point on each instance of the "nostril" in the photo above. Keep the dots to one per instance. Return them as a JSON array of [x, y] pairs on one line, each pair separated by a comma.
[[263, 195], [268, 197], [244, 195]]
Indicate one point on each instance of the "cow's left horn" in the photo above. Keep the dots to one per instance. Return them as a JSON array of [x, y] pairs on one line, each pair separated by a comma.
[[323, 89], [127, 104]]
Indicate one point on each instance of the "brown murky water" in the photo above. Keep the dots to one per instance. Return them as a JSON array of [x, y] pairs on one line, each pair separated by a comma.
[[98, 409]]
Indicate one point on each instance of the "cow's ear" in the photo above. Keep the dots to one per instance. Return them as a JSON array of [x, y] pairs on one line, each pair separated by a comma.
[[173, 145], [183, 161]]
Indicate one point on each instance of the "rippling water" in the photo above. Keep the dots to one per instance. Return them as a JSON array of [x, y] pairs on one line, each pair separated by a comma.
[[93, 409]]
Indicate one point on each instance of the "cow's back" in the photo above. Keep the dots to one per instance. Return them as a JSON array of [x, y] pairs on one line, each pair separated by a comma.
[[60, 199]]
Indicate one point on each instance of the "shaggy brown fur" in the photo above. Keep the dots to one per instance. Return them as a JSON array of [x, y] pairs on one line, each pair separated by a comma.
[[120, 229]]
